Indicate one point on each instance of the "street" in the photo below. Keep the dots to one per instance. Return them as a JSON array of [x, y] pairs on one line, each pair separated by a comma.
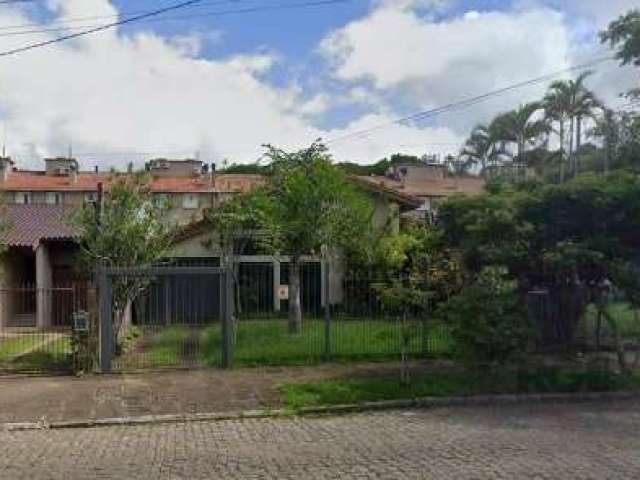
[[569, 441]]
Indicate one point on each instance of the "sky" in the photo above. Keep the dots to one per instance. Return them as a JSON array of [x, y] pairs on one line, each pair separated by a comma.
[[219, 79]]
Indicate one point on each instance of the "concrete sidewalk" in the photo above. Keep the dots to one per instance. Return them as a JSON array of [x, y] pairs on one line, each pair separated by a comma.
[[58, 399]]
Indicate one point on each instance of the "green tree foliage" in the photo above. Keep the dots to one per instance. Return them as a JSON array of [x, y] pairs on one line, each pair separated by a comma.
[[126, 231], [624, 35], [489, 324], [307, 207], [566, 238]]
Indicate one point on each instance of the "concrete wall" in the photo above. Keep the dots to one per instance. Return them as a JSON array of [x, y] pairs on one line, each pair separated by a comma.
[[44, 282], [385, 214]]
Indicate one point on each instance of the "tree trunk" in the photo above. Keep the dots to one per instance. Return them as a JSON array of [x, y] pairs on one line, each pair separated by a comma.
[[578, 141], [561, 151], [295, 304], [571, 134]]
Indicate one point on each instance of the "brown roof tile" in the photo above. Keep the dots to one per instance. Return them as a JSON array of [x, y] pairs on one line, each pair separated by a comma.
[[430, 188], [29, 224]]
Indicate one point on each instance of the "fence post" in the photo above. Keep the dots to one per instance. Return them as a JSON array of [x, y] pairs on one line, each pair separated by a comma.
[[106, 322], [228, 318], [327, 312]]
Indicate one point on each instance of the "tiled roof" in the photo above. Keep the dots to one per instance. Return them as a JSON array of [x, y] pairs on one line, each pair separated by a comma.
[[29, 224], [405, 199], [88, 182], [429, 188]]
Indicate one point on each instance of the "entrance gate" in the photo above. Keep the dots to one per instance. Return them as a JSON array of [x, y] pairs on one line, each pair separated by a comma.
[[179, 317]]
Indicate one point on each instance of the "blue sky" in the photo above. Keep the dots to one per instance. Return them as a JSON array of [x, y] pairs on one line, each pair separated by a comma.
[[222, 85]]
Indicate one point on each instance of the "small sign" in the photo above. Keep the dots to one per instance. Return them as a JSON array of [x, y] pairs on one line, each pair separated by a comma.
[[283, 292]]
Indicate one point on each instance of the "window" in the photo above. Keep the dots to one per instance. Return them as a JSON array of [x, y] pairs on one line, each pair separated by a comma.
[[23, 198], [53, 198], [90, 197], [161, 201], [190, 200]]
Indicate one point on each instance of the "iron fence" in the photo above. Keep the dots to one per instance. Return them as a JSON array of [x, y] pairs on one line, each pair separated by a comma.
[[161, 317], [36, 327], [210, 316], [342, 318]]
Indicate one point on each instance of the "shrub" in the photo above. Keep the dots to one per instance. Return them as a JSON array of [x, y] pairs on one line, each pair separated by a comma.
[[489, 323]]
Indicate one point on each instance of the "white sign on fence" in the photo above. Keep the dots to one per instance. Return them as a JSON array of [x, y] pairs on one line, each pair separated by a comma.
[[283, 292]]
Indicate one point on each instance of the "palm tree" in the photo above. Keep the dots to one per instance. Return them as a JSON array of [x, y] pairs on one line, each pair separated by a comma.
[[557, 106], [570, 100], [479, 149], [520, 128]]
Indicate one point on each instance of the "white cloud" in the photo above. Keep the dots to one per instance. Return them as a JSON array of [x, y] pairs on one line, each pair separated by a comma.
[[432, 63], [396, 51], [393, 138], [115, 93]]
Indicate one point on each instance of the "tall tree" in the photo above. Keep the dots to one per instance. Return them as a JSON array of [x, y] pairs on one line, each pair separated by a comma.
[[520, 128], [308, 207], [479, 149], [623, 34], [126, 231], [570, 101]]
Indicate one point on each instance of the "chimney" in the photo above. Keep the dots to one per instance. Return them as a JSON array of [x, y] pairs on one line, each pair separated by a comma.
[[96, 169]]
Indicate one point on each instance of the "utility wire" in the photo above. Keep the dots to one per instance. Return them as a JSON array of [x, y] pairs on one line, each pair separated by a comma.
[[6, 2], [463, 104], [219, 13], [136, 18], [69, 20]]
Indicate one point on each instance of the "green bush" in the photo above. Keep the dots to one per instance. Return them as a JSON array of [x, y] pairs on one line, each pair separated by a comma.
[[488, 322]]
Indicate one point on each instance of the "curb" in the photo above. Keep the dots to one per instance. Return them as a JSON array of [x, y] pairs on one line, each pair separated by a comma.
[[422, 403]]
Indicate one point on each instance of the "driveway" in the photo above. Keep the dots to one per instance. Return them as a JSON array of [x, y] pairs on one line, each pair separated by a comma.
[[584, 441]]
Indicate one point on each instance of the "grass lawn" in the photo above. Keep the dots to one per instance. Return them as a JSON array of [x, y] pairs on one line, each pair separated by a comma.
[[623, 315], [35, 352], [339, 392], [268, 342], [155, 348]]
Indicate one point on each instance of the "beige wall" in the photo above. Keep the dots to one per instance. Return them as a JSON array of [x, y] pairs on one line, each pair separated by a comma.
[[385, 213]]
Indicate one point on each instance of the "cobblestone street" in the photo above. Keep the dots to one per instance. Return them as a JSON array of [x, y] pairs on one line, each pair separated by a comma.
[[588, 441]]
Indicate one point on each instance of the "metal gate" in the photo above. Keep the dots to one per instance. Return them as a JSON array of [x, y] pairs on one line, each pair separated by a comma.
[[165, 317]]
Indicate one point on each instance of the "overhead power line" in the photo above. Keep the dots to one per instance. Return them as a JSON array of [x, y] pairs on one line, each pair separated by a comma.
[[121, 14], [136, 18], [89, 29], [5, 2], [218, 13], [466, 103]]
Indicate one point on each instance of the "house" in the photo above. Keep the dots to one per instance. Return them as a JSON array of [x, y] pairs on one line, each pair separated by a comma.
[[40, 267], [428, 183]]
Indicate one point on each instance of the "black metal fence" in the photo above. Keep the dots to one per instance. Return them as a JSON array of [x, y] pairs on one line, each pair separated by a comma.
[[161, 317], [211, 316], [36, 327], [343, 318]]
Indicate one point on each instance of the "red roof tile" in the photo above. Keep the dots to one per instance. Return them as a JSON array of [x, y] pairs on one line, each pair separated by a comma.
[[88, 182], [29, 224]]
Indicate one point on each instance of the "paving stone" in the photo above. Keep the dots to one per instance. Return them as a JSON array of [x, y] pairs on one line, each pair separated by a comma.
[[580, 441]]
